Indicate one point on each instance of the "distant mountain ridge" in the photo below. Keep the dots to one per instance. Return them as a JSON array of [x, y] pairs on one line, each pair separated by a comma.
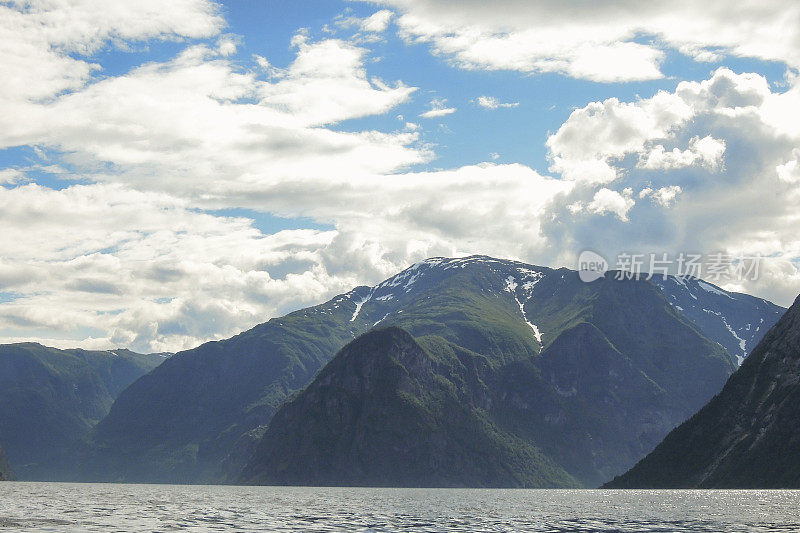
[[747, 436], [200, 416], [50, 399]]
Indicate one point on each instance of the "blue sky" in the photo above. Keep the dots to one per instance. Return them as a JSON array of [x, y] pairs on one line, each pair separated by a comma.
[[172, 174]]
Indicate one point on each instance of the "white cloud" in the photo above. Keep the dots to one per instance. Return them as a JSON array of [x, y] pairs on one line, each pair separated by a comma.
[[143, 270], [599, 41], [438, 109], [227, 45], [107, 266], [490, 102], [665, 196], [132, 259], [585, 146], [327, 83], [789, 172], [706, 152], [728, 176], [128, 260], [378, 22], [39, 36], [607, 201], [10, 176], [220, 136]]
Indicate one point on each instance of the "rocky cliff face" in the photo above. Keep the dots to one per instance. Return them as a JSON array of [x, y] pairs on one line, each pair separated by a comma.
[[746, 437]]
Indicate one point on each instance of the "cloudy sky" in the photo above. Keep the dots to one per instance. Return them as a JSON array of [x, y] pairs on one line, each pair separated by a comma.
[[174, 172]]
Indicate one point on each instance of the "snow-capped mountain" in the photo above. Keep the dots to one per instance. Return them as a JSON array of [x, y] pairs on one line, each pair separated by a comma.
[[512, 279], [608, 367], [737, 321], [734, 320]]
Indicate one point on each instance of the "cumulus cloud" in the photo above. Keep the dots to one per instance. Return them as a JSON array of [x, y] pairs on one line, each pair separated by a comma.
[[328, 83], [135, 259], [706, 152], [586, 146], [607, 201], [10, 176], [599, 41], [132, 259], [130, 254], [789, 172], [717, 153], [144, 270], [119, 267], [665, 196]]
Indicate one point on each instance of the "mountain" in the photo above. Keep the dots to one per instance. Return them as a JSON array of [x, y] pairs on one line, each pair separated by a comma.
[[50, 399], [747, 436], [199, 416], [736, 321], [206, 407], [5, 470], [387, 412]]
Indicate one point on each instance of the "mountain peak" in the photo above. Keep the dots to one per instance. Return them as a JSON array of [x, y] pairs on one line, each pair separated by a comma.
[[476, 312]]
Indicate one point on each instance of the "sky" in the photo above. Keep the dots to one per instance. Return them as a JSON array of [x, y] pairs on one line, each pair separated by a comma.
[[177, 172]]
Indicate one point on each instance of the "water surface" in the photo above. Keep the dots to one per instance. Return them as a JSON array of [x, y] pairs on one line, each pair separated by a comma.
[[123, 508]]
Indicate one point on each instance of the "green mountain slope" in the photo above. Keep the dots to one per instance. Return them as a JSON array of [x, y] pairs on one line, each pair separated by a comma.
[[50, 399], [621, 371], [625, 370], [198, 417], [203, 408], [747, 436], [386, 412]]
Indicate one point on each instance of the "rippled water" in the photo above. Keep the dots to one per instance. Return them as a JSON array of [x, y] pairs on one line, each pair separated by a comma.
[[101, 507]]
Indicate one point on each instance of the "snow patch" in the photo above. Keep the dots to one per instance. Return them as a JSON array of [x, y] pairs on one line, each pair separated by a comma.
[[511, 285], [360, 304], [713, 290], [680, 281], [411, 281], [742, 342]]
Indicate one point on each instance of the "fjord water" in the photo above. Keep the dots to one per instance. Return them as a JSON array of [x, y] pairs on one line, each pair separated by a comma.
[[109, 507]]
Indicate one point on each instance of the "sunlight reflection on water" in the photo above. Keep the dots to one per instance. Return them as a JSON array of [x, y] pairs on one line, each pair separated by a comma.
[[103, 507]]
